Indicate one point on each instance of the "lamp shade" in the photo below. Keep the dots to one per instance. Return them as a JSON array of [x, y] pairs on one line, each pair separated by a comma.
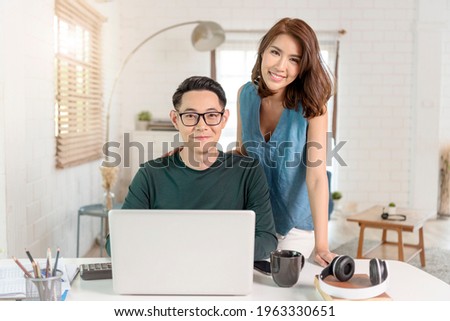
[[207, 36]]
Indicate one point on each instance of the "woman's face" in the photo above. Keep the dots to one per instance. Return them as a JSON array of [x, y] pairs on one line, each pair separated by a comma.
[[281, 63]]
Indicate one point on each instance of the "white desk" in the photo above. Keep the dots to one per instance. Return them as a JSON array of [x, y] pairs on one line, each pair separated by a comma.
[[407, 283]]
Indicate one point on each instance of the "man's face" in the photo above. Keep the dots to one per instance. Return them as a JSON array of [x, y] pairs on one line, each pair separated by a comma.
[[204, 135]]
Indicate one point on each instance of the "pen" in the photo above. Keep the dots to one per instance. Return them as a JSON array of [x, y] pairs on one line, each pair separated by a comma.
[[29, 255], [56, 262], [22, 267]]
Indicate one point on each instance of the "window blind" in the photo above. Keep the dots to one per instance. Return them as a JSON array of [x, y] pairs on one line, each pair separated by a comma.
[[79, 91]]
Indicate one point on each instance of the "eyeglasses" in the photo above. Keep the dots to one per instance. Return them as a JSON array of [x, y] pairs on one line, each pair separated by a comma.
[[211, 118]]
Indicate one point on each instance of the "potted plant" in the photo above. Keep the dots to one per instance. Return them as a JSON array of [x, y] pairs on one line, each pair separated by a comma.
[[144, 118], [392, 209], [336, 196]]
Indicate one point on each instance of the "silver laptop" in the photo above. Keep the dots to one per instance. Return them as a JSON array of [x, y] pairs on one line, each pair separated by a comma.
[[182, 252]]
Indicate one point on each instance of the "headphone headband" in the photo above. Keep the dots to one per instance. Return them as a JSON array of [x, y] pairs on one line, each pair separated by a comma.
[[393, 217], [352, 293], [342, 268]]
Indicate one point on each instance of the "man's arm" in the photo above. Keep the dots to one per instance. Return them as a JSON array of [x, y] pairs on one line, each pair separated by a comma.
[[259, 201]]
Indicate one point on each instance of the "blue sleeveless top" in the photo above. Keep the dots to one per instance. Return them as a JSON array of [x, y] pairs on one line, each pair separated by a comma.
[[283, 158]]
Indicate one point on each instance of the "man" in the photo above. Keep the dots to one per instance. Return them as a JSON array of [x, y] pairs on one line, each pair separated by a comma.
[[199, 176]]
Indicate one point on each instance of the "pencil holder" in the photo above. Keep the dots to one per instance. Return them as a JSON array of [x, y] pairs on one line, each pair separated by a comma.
[[44, 289]]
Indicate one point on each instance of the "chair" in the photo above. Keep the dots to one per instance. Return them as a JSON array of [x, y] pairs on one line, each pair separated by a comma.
[[94, 210]]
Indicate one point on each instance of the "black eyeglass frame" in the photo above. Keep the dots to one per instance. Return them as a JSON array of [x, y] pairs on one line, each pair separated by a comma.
[[203, 116]]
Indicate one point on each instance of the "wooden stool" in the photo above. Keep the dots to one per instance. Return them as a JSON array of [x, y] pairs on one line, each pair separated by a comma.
[[371, 218]]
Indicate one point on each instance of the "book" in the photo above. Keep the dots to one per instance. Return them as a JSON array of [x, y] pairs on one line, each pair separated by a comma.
[[12, 280], [161, 125], [356, 282]]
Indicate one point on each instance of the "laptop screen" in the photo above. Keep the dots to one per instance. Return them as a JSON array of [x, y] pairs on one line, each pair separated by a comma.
[[188, 252]]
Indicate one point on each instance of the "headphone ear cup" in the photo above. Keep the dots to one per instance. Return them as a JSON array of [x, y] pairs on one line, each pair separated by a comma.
[[378, 271], [384, 270], [344, 268], [329, 269]]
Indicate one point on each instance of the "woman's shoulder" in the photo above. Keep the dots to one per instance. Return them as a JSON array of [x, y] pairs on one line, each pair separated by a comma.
[[248, 85], [248, 92]]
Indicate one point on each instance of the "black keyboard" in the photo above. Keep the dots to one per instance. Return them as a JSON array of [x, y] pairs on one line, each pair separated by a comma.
[[96, 271]]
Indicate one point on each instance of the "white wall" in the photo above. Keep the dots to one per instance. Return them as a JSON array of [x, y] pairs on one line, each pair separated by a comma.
[[444, 125], [2, 143], [377, 107], [445, 110], [427, 103], [41, 203]]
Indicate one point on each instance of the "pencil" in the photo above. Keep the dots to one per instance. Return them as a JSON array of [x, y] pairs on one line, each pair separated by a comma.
[[22, 267], [38, 269], [56, 262], [48, 268], [35, 269], [37, 273]]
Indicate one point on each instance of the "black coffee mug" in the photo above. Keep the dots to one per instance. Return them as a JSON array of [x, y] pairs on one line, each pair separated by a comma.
[[286, 266]]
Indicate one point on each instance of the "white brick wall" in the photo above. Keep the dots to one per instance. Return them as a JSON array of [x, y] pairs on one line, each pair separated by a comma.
[[375, 85]]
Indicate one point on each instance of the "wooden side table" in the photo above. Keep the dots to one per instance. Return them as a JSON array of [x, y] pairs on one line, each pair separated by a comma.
[[371, 218]]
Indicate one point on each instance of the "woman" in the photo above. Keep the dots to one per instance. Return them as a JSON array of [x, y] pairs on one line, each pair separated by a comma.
[[282, 121]]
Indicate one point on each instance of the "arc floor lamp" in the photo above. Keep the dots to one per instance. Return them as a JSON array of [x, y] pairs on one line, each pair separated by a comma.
[[206, 36]]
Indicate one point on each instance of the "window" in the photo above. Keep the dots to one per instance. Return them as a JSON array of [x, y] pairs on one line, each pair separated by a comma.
[[79, 90], [235, 60]]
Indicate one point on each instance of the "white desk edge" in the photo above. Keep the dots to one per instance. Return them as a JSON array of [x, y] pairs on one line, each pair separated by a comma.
[[407, 283]]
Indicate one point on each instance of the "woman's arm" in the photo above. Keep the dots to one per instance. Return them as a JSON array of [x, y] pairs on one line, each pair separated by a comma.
[[317, 182]]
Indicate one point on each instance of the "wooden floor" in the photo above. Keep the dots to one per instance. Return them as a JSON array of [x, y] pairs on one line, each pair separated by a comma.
[[436, 233]]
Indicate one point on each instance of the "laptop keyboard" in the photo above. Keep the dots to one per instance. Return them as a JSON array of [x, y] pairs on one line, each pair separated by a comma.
[[96, 271]]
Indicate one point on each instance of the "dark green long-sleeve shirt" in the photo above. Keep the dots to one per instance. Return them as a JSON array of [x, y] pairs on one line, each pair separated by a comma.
[[233, 182]]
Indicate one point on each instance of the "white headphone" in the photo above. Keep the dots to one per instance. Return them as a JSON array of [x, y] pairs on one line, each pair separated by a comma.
[[343, 267]]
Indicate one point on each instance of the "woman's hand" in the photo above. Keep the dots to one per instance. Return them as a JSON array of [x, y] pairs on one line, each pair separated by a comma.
[[177, 149], [323, 258]]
